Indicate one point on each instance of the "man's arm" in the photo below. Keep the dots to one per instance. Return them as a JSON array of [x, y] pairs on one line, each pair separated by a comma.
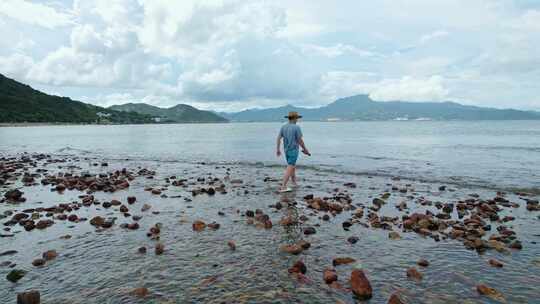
[[303, 145], [278, 145]]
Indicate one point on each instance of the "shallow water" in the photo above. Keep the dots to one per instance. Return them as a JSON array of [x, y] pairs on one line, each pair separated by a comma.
[[198, 267], [498, 154]]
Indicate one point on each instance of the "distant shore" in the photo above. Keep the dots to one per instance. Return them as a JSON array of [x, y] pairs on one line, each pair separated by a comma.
[[43, 124]]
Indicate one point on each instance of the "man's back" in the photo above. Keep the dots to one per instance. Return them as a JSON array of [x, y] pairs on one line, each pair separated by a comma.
[[291, 134]]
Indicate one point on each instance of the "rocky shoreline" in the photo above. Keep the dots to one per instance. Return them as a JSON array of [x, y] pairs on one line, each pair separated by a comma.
[[397, 209]]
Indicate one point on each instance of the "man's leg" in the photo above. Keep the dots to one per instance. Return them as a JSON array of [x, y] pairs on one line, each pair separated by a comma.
[[288, 173], [293, 176]]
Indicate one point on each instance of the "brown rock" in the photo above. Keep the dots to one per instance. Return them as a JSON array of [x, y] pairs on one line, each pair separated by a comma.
[[97, 221], [394, 235], [28, 297], [124, 209], [298, 267], [292, 249], [360, 285], [38, 262], [232, 245], [198, 225], [342, 261], [140, 292], [423, 263], [50, 255], [395, 299], [490, 292], [495, 263], [160, 248], [414, 274], [214, 226], [329, 275], [131, 200]]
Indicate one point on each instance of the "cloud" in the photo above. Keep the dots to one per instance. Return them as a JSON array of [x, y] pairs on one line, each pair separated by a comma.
[[410, 89], [431, 36], [233, 54], [35, 13]]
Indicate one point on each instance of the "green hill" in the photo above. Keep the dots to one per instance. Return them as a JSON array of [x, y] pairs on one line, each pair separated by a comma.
[[19, 103], [178, 114]]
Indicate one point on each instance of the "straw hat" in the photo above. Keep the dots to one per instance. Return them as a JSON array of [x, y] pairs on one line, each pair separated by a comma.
[[293, 115]]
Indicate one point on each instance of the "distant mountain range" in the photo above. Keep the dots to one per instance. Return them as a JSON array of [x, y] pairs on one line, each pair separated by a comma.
[[19, 103], [361, 107], [181, 113]]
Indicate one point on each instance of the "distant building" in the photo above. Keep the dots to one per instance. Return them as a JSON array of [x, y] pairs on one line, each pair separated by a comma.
[[157, 119], [103, 115]]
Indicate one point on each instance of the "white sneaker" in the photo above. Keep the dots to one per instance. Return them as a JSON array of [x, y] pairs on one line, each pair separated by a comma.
[[285, 190]]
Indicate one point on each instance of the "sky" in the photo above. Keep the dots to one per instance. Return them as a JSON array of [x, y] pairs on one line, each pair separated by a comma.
[[232, 55]]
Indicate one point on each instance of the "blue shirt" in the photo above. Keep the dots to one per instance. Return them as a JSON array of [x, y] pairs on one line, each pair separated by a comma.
[[291, 134]]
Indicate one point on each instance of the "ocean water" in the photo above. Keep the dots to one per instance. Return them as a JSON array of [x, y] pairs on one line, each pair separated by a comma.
[[495, 154]]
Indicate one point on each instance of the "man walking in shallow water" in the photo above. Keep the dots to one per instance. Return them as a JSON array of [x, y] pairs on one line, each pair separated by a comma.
[[292, 139]]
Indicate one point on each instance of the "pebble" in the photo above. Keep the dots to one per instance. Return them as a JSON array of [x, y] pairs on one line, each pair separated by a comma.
[[298, 267], [50, 255], [423, 263], [232, 245], [38, 262], [495, 263], [330, 275], [414, 274]]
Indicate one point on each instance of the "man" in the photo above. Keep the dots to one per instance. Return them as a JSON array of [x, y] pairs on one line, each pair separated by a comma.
[[292, 139]]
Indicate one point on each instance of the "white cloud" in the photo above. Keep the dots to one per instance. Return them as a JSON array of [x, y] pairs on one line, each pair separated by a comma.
[[232, 54], [431, 36], [410, 89], [35, 13]]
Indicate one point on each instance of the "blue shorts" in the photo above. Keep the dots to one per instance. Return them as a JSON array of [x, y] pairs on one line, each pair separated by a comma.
[[291, 156]]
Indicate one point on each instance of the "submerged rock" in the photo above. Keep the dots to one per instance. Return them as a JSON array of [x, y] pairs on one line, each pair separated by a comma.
[[330, 275], [29, 297], [232, 245], [342, 261], [15, 275], [395, 299], [140, 292], [394, 235], [495, 263], [490, 292], [423, 263], [360, 285], [298, 267], [49, 255], [38, 262], [292, 248], [160, 248], [198, 225], [414, 274]]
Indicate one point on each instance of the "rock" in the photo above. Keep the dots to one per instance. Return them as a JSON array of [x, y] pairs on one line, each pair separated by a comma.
[[198, 225], [14, 195], [141, 250], [329, 275], [287, 221], [116, 202], [353, 239], [97, 221], [145, 207], [346, 225], [516, 245], [124, 209], [106, 204], [160, 248], [394, 235], [232, 245], [292, 249], [42, 224], [326, 217], [28, 297], [60, 187], [250, 213], [414, 274], [309, 230], [360, 285], [395, 299], [298, 267], [423, 263], [15, 275], [490, 292], [72, 218], [304, 244], [214, 226], [9, 252], [50, 255], [131, 200], [38, 262], [342, 261], [140, 292], [495, 263], [133, 226]]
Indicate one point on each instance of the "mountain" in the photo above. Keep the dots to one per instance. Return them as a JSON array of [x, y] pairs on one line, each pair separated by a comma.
[[361, 107], [20, 103], [178, 113]]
